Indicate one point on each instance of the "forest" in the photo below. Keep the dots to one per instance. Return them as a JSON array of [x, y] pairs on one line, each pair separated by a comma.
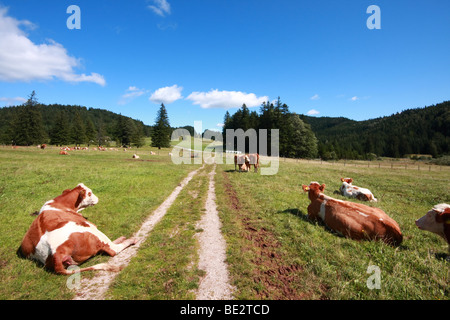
[[296, 139], [420, 131], [33, 123]]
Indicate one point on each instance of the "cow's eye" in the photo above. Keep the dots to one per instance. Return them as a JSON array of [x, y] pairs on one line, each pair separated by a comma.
[[90, 194]]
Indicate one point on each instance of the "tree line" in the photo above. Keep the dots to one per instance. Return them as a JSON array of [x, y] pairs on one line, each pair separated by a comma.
[[296, 138], [423, 131], [33, 123]]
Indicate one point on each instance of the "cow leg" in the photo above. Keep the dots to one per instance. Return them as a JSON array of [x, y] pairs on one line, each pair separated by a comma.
[[119, 240], [114, 248]]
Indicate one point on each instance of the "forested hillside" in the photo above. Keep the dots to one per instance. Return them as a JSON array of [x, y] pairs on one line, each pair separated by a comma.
[[34, 123], [413, 131]]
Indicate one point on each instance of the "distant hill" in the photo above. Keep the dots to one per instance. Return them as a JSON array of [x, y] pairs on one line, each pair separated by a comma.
[[413, 131], [68, 124]]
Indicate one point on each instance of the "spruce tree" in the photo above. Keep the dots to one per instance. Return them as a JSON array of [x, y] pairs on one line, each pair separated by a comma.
[[60, 134], [161, 130], [28, 127]]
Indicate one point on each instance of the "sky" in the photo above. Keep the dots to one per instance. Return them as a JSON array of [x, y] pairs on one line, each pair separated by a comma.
[[204, 57]]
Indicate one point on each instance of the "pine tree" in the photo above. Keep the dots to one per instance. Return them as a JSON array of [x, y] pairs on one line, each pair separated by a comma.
[[91, 132], [28, 127], [60, 134], [161, 131], [78, 130]]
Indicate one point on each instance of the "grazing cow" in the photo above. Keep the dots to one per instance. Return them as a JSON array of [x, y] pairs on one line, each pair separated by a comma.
[[353, 220], [243, 162], [437, 220], [63, 153], [135, 156], [351, 191], [60, 236], [254, 160]]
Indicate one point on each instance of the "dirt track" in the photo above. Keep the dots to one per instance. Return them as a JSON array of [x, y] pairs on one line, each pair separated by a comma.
[[213, 286]]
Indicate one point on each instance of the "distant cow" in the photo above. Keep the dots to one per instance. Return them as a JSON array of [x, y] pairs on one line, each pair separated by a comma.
[[254, 160], [60, 236], [351, 191], [437, 220], [63, 153], [135, 156], [353, 220], [243, 162]]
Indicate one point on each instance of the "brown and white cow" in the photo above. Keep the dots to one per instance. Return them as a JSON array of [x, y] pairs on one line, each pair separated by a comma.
[[437, 220], [254, 160], [353, 220], [60, 236], [351, 191], [243, 162]]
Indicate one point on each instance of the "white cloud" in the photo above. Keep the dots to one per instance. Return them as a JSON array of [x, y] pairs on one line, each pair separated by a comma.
[[23, 60], [315, 97], [161, 7], [12, 101], [130, 94], [225, 99], [220, 125], [354, 98], [167, 95], [312, 112]]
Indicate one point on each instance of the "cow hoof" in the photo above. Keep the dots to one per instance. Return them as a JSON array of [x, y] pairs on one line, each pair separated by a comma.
[[119, 240]]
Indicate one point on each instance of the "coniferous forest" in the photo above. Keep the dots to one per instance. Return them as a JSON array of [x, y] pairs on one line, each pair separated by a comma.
[[424, 131], [33, 123]]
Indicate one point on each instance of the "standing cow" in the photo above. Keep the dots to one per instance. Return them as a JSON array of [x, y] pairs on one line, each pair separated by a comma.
[[60, 236], [353, 220], [243, 162], [437, 220]]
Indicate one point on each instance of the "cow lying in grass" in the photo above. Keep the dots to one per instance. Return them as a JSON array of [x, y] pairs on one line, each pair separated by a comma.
[[353, 220], [60, 236], [351, 191], [437, 220]]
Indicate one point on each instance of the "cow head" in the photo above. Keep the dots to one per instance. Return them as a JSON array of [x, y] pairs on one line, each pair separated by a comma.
[[348, 180], [86, 197], [314, 189], [435, 219]]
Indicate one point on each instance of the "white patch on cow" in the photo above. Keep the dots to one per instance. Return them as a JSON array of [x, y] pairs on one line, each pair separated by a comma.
[[322, 210], [51, 240], [47, 206]]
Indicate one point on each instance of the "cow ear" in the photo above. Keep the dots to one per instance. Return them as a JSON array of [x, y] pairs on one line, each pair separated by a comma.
[[305, 188], [66, 191], [81, 197], [443, 216], [322, 187], [342, 179]]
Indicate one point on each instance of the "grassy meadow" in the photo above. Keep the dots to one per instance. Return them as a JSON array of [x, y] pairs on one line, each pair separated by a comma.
[[274, 251], [128, 189]]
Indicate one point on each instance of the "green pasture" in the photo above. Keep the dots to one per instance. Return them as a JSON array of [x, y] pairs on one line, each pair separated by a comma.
[[128, 189], [274, 251]]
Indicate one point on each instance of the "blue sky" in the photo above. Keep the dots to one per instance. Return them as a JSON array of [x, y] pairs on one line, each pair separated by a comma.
[[203, 57]]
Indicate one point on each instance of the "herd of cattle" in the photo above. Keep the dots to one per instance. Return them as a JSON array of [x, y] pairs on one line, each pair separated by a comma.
[[60, 236]]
